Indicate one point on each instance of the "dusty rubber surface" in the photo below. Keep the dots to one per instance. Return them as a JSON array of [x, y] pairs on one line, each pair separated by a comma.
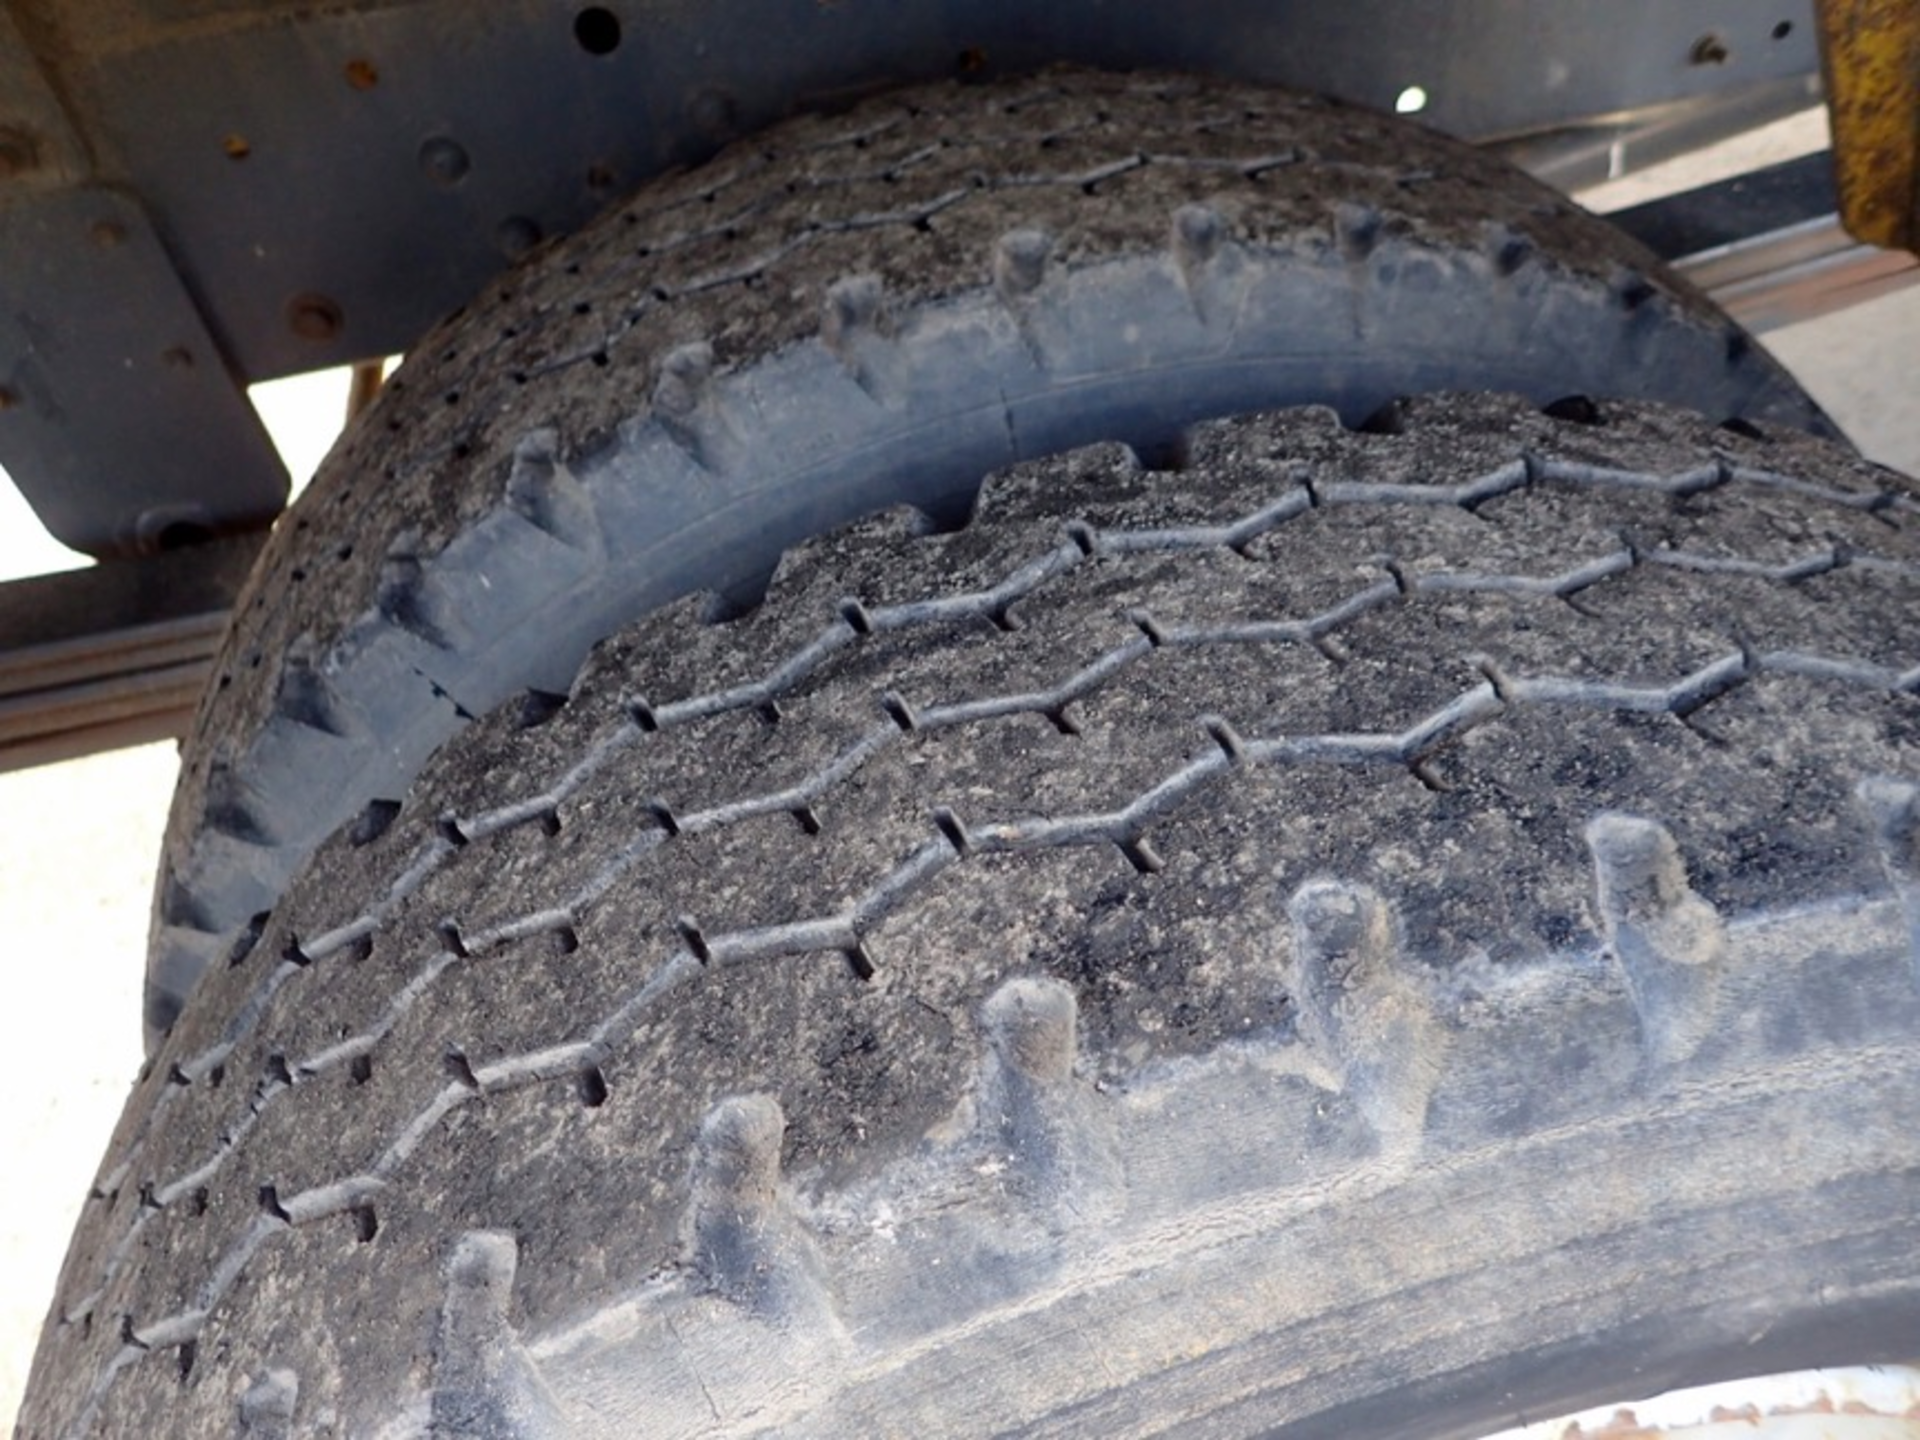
[[1367, 933], [853, 311]]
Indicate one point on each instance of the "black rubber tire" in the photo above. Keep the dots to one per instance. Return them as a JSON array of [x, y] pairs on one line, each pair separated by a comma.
[[849, 312], [1132, 964]]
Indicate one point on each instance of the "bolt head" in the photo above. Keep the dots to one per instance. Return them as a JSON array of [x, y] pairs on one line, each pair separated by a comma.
[[516, 235], [444, 160], [315, 317], [1709, 49]]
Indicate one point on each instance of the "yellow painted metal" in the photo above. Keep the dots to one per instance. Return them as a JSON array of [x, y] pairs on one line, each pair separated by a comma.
[[1871, 53]]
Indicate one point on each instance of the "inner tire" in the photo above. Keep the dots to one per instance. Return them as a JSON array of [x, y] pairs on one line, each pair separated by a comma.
[[1365, 933], [853, 311]]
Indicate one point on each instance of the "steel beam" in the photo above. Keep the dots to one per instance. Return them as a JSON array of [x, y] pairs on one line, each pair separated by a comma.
[[1768, 246], [1799, 273], [115, 654]]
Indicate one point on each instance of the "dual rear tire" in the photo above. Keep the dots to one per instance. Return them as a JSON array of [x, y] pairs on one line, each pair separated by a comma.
[[1360, 920]]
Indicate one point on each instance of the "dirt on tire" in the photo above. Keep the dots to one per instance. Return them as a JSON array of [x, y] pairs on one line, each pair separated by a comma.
[[1347, 932], [857, 310]]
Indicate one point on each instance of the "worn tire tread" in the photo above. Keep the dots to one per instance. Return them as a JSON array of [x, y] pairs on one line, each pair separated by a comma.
[[1273, 785], [702, 360]]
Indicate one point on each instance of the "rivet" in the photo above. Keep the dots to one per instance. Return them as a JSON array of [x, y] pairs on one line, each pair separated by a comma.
[[362, 75], [177, 357], [7, 398], [314, 317], [516, 235], [444, 160], [107, 234], [1709, 49], [237, 146]]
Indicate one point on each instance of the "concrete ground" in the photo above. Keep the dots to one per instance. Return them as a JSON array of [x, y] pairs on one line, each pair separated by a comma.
[[77, 845]]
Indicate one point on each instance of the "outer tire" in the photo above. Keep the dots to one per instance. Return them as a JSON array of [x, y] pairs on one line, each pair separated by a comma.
[[849, 312], [1373, 933]]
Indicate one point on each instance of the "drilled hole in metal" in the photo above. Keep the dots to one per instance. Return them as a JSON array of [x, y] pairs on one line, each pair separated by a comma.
[[597, 29]]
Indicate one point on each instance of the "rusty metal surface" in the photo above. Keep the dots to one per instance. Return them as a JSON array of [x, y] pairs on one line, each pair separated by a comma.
[[1871, 56]]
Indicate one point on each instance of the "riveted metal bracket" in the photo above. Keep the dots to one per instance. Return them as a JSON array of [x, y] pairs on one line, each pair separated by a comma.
[[119, 419]]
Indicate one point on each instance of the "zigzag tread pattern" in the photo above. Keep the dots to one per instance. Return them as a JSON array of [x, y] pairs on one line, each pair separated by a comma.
[[839, 239], [875, 790]]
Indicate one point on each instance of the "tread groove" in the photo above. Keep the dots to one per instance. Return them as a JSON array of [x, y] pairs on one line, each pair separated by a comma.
[[1664, 937], [602, 332]]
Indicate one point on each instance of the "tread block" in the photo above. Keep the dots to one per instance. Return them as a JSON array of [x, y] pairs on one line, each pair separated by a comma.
[[484, 1385], [742, 1239], [1369, 1013], [1669, 942], [267, 1406]]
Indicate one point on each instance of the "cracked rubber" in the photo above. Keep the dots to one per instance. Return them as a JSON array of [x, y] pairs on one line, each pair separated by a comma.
[[1369, 932], [852, 311]]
